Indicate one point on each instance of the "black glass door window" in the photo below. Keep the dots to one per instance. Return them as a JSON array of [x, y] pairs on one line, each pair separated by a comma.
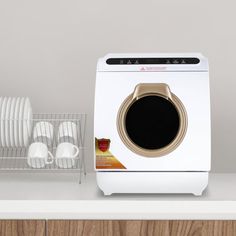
[[152, 122]]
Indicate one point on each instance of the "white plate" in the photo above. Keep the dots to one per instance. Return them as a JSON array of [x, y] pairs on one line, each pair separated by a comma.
[[7, 115], [3, 110], [27, 124], [16, 121], [11, 118], [20, 121], [1, 101]]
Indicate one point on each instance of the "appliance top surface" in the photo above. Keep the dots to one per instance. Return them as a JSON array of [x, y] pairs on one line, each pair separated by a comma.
[[152, 62]]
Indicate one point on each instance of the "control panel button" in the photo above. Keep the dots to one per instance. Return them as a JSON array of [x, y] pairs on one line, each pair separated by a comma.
[[175, 61]]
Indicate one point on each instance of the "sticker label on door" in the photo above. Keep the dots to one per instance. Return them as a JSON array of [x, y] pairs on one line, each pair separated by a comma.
[[104, 158]]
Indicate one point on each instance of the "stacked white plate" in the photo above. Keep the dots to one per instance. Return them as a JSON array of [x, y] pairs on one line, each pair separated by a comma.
[[15, 121]]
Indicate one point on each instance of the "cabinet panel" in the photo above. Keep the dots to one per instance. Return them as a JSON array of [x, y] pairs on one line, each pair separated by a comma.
[[142, 228], [22, 228]]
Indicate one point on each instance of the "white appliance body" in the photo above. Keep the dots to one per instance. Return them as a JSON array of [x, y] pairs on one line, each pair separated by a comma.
[[183, 170]]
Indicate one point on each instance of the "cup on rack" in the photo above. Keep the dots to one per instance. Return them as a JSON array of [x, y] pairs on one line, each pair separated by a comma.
[[43, 132], [38, 155], [67, 132], [66, 154]]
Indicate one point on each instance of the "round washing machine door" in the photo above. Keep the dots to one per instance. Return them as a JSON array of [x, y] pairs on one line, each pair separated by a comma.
[[152, 121]]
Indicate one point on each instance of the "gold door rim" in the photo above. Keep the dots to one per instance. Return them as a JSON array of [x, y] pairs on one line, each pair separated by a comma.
[[143, 90]]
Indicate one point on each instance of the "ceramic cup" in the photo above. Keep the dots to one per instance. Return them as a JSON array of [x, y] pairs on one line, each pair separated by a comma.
[[38, 155], [67, 132], [43, 132], [66, 154]]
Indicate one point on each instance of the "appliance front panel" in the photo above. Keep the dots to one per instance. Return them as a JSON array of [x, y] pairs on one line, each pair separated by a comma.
[[192, 88]]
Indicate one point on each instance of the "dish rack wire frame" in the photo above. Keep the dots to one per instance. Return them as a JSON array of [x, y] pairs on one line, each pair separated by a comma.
[[14, 158]]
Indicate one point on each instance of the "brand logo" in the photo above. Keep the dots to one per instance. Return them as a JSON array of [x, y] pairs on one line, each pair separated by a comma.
[[153, 68], [104, 144]]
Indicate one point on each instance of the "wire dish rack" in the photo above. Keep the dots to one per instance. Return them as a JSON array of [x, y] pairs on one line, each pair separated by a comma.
[[51, 130]]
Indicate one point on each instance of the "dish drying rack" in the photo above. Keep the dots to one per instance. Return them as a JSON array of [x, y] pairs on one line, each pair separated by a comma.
[[16, 158]]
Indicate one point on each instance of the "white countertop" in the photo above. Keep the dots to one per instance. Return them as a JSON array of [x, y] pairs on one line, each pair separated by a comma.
[[60, 196]]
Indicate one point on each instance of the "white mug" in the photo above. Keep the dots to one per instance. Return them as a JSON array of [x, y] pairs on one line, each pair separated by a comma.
[[65, 155], [67, 132], [43, 132], [38, 155]]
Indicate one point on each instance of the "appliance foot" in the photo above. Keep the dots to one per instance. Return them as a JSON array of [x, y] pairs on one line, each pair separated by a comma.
[[107, 193], [198, 193]]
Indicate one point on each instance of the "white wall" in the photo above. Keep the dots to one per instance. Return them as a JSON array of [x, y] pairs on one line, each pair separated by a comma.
[[49, 48]]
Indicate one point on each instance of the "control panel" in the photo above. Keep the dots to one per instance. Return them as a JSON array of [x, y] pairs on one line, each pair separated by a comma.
[[153, 61]]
